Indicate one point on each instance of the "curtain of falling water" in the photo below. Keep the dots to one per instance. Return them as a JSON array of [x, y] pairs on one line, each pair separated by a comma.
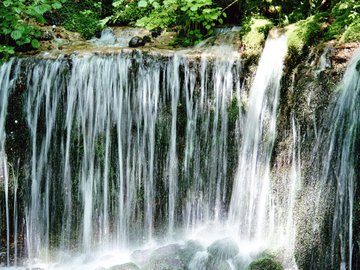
[[123, 148], [250, 202], [6, 84], [338, 143]]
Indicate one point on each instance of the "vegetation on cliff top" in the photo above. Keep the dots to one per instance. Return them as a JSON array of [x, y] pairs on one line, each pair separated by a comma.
[[194, 20]]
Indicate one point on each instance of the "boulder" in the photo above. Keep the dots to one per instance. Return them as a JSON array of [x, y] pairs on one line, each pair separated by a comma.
[[218, 265], [156, 32], [199, 261], [136, 42], [126, 266], [266, 262], [189, 250], [223, 249], [140, 257], [166, 258], [146, 39], [239, 262]]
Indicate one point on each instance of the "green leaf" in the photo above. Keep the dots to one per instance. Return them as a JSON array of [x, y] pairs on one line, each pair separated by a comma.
[[17, 10], [156, 5], [7, 3], [16, 34], [142, 3], [56, 5], [35, 43]]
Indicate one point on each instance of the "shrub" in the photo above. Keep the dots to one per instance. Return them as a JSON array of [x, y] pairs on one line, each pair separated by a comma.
[[352, 33], [18, 23], [83, 17]]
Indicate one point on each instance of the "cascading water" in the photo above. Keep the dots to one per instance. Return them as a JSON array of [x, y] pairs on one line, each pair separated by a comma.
[[111, 138], [251, 200], [135, 150], [338, 144]]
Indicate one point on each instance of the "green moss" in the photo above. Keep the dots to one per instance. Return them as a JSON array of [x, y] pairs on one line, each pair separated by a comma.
[[256, 35], [266, 262], [303, 33], [352, 32]]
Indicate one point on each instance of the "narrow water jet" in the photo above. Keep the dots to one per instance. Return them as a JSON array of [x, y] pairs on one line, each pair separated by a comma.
[[251, 195]]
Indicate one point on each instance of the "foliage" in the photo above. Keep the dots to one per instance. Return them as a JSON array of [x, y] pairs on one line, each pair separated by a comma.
[[352, 33], [195, 19], [18, 23], [82, 17], [344, 13], [126, 11]]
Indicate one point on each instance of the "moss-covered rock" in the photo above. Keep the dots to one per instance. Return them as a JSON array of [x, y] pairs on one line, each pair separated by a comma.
[[266, 262], [303, 33], [254, 39]]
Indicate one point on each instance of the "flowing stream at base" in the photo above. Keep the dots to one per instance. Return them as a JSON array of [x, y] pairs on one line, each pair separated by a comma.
[[135, 151]]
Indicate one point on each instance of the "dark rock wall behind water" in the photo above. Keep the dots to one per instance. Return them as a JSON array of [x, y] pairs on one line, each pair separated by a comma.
[[307, 95]]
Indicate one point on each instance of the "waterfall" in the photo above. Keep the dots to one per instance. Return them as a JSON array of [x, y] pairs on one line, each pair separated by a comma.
[[251, 195], [338, 143], [110, 139], [134, 150], [6, 84]]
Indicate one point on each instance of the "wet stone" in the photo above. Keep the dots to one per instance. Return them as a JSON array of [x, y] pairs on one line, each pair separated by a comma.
[[166, 258], [189, 250], [147, 39], [136, 42], [140, 257], [223, 249]]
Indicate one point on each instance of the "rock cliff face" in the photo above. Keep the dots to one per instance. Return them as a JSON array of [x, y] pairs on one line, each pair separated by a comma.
[[308, 96]]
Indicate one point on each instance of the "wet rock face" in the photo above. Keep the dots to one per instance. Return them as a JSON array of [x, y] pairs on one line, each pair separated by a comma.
[[307, 93], [136, 42]]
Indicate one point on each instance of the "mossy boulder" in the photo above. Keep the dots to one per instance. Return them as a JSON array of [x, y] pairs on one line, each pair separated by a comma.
[[266, 262], [254, 39], [303, 33]]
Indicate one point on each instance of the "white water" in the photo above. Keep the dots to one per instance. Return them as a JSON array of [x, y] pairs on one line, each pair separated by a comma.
[[250, 208], [130, 151], [6, 84], [337, 145], [104, 148]]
